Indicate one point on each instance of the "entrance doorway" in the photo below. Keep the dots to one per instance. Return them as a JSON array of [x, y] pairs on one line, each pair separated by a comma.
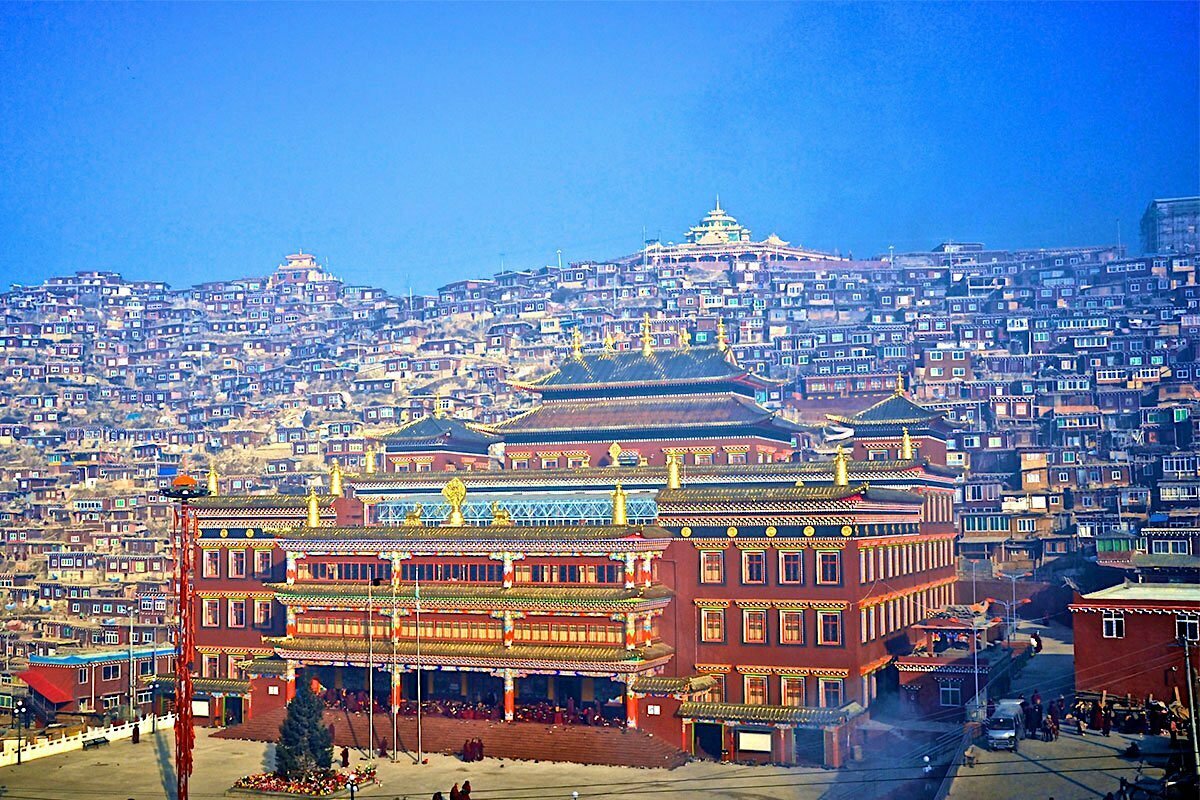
[[708, 739]]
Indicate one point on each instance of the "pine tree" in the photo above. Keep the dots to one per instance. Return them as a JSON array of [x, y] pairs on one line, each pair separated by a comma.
[[304, 742]]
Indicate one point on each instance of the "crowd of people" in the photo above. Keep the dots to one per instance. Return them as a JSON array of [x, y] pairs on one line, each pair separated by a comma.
[[570, 713]]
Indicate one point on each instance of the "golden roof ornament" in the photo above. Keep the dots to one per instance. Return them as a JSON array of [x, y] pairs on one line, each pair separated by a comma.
[[841, 472], [906, 446], [314, 509], [899, 390], [722, 342], [335, 479], [674, 480], [614, 452], [610, 344], [413, 518], [213, 483], [500, 516], [369, 461], [619, 516], [438, 411], [647, 337], [577, 345], [455, 492], [685, 339]]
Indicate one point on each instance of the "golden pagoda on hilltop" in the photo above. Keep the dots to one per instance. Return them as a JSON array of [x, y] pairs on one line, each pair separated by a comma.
[[718, 227]]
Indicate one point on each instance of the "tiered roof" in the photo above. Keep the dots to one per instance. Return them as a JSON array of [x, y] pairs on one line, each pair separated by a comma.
[[439, 433]]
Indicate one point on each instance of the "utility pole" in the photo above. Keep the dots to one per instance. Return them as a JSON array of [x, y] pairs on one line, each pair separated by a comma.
[[417, 594], [1187, 660], [370, 666]]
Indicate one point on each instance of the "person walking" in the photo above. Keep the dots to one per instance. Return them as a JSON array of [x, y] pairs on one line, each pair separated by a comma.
[[345, 756], [465, 794], [1106, 721]]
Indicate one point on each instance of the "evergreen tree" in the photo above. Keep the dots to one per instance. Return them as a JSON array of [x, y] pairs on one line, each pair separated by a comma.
[[304, 742]]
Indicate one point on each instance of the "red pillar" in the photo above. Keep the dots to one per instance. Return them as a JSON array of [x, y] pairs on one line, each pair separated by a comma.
[[510, 696], [631, 708]]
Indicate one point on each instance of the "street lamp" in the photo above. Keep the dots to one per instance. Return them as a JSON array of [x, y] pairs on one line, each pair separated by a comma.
[[1010, 611], [154, 706], [352, 786], [20, 728], [1013, 577]]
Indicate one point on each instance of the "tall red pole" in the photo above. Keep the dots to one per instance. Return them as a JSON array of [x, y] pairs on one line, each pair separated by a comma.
[[183, 489]]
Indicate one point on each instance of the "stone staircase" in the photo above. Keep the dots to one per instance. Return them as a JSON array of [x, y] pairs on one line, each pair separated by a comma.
[[528, 741]]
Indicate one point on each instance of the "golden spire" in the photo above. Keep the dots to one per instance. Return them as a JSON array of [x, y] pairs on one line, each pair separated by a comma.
[[413, 518], [618, 497], [438, 411], [647, 337], [213, 484], [841, 475], [610, 344], [614, 452], [577, 345], [314, 509], [722, 342], [673, 477], [455, 492], [685, 339], [369, 461], [335, 479], [906, 447], [899, 390]]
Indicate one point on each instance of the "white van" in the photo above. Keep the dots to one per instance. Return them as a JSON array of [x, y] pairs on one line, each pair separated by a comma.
[[1006, 726]]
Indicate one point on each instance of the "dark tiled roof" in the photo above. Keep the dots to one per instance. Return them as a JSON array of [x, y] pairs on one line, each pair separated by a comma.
[[662, 685], [483, 650], [896, 409], [769, 494], [298, 501], [435, 593], [441, 432], [498, 532], [619, 413], [630, 367], [806, 717]]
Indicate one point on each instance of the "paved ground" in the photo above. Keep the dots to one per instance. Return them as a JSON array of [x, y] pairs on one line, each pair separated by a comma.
[[1074, 767], [144, 772]]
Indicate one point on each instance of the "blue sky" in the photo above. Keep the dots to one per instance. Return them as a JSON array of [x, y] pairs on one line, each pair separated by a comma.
[[415, 144]]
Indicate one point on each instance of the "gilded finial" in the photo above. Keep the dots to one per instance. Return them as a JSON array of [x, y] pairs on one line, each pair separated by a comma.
[[685, 339], [906, 447], [413, 518], [614, 452], [438, 411], [722, 342], [455, 492], [647, 337], [899, 390], [314, 509], [500, 516], [335, 479], [619, 516], [369, 461], [577, 345], [841, 472], [610, 344], [674, 480], [213, 484]]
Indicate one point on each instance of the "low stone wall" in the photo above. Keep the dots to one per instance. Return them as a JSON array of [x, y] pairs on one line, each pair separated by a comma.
[[52, 746]]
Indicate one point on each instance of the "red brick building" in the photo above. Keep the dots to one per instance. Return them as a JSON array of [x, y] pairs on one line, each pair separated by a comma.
[[1128, 639]]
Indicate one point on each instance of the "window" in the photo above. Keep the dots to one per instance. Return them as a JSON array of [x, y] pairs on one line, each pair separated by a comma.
[[110, 672], [791, 567], [210, 667], [211, 614], [237, 613], [262, 563], [756, 690], [829, 566], [1187, 628], [950, 695], [754, 566], [262, 613], [212, 564], [829, 627], [83, 675], [754, 627], [713, 625], [1114, 625], [237, 563], [791, 627], [792, 692], [712, 566], [146, 667], [1177, 547], [831, 692]]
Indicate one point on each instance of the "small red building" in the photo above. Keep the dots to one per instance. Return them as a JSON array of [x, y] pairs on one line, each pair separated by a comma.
[[1128, 639]]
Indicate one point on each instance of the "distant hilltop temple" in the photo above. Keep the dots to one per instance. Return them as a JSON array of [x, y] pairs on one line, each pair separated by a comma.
[[719, 237]]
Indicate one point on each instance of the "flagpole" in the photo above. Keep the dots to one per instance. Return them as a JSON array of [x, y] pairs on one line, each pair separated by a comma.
[[370, 667], [395, 675], [417, 572]]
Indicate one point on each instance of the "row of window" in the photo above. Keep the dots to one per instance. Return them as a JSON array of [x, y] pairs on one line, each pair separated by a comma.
[[758, 691], [486, 572], [900, 612], [235, 614], [236, 563], [790, 568], [882, 563], [791, 627], [113, 672], [1186, 627]]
